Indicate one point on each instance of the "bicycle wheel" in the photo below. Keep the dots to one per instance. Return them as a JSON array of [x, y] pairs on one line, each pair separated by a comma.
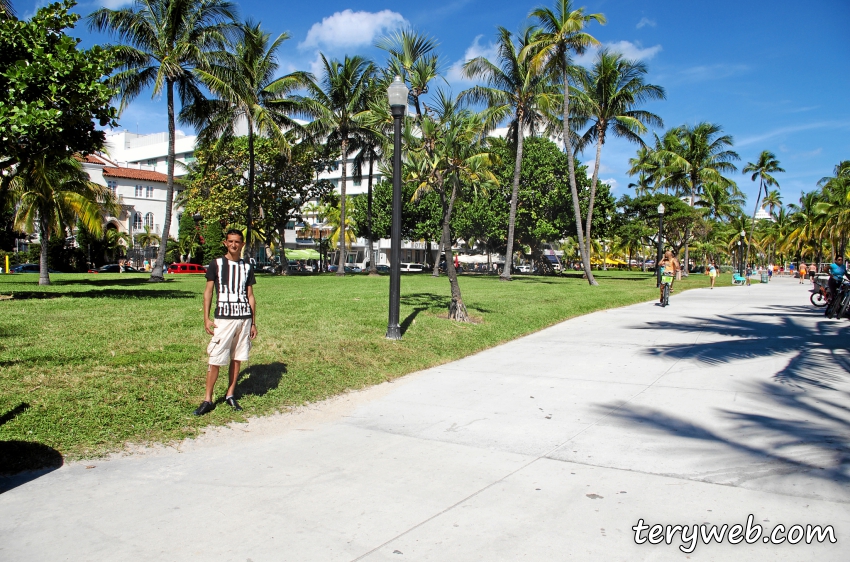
[[845, 306], [818, 299], [832, 307], [666, 294]]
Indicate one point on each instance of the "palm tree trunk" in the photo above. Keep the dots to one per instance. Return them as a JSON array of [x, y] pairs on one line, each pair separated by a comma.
[[158, 266], [585, 257], [509, 253], [457, 310], [753, 224], [43, 272], [249, 213], [440, 247], [373, 263], [341, 262], [593, 180]]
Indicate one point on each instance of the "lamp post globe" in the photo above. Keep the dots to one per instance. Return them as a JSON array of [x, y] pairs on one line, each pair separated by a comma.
[[397, 95], [660, 244]]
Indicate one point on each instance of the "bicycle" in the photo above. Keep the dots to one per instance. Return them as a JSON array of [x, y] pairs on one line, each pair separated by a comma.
[[820, 295], [666, 282], [840, 303]]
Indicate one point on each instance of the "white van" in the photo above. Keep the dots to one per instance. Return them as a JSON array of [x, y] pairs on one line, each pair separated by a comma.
[[411, 267]]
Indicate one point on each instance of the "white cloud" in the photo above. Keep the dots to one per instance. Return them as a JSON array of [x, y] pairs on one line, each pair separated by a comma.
[[631, 51], [490, 51], [455, 72], [644, 21], [712, 72], [350, 29], [792, 129], [610, 181]]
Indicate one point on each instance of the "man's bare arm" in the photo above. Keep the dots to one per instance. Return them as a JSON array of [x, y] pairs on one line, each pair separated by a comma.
[[209, 325], [253, 304]]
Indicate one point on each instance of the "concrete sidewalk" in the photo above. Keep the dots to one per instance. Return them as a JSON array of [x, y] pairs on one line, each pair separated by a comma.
[[730, 402]]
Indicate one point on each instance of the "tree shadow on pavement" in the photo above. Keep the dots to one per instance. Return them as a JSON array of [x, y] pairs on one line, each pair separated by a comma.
[[24, 461], [802, 423]]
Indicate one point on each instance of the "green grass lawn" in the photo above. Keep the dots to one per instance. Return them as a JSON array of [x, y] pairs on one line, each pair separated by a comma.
[[93, 362]]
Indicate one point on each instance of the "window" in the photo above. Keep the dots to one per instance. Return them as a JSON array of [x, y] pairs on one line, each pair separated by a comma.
[[189, 157], [139, 190], [113, 187], [149, 220], [152, 162], [149, 192], [358, 183], [137, 221]]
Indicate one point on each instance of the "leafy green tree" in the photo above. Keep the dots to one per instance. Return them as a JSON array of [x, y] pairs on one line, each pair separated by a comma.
[[766, 165], [212, 236], [693, 156], [562, 33], [515, 90], [680, 219], [51, 197], [162, 43], [609, 96], [337, 104], [243, 77], [52, 94]]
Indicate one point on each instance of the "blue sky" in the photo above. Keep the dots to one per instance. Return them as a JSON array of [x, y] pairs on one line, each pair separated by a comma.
[[773, 73]]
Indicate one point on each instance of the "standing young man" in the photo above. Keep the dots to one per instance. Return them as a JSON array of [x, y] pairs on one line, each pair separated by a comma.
[[235, 313]]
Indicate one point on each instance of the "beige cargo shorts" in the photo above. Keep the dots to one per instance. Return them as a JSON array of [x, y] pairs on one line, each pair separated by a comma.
[[231, 339]]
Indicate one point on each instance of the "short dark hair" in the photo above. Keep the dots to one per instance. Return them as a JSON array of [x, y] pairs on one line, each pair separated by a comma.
[[234, 231]]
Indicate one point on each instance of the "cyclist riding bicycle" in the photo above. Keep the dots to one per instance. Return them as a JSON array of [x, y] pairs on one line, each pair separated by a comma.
[[669, 266], [837, 272]]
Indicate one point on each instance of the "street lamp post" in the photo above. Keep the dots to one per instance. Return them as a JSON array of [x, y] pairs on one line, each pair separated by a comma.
[[660, 244], [743, 265], [397, 93]]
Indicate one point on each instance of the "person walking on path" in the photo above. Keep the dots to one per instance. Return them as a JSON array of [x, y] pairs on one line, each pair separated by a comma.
[[712, 273], [749, 273], [802, 272], [235, 313]]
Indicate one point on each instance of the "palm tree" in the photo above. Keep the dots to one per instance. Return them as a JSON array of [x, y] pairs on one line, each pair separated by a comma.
[[562, 34], [163, 41], [609, 95], [691, 157], [371, 144], [517, 91], [411, 57], [339, 234], [248, 94], [767, 164], [338, 104], [449, 154], [772, 200], [6, 9], [147, 238], [52, 196]]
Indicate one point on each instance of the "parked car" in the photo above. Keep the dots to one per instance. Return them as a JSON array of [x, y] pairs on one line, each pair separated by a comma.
[[29, 268], [186, 268], [115, 268], [353, 269], [411, 267], [382, 268], [524, 268]]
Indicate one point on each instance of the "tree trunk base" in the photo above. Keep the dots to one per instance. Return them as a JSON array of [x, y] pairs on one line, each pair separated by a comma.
[[504, 277], [374, 274], [457, 311], [156, 279], [43, 281], [435, 274], [340, 274]]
